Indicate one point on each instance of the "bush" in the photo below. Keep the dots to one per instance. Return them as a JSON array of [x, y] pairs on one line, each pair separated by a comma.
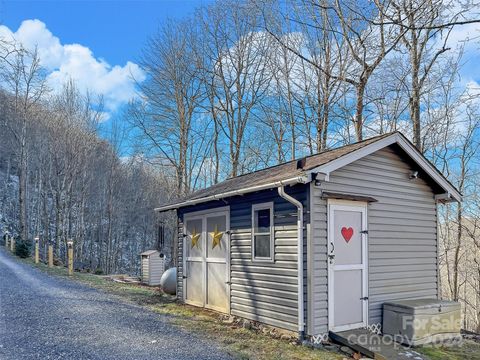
[[57, 261], [22, 249], [98, 272]]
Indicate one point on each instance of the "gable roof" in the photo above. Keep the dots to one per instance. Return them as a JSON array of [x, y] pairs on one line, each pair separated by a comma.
[[149, 252], [290, 173]]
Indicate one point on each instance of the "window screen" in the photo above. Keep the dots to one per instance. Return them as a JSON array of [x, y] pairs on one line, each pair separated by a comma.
[[262, 232]]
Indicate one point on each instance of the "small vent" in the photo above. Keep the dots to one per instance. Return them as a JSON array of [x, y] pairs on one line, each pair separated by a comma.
[[301, 163]]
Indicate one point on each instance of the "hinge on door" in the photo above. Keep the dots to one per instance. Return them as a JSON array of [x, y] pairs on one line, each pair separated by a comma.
[[228, 282], [184, 276], [364, 232], [364, 298]]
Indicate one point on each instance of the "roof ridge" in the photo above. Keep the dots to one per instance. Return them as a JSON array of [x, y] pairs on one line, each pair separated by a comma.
[[309, 156], [225, 182], [326, 161]]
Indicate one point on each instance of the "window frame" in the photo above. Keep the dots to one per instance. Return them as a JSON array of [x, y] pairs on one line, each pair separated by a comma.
[[255, 208]]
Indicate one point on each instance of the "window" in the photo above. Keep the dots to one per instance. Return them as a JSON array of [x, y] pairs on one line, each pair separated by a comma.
[[262, 232]]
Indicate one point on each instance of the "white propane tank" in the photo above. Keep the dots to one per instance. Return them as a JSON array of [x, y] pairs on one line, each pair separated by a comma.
[[168, 281]]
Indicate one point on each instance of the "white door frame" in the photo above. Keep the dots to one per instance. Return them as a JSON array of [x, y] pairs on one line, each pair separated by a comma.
[[191, 217], [346, 205], [203, 215]]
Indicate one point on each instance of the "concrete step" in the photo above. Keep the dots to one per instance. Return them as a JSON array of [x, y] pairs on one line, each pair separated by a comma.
[[374, 346]]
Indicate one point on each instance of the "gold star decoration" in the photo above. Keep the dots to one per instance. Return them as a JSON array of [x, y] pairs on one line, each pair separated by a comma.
[[216, 237], [195, 238]]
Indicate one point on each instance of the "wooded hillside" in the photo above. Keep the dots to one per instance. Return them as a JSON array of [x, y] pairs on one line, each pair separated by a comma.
[[61, 181]]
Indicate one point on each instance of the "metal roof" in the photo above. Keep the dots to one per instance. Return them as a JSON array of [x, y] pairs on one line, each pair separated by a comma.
[[149, 252]]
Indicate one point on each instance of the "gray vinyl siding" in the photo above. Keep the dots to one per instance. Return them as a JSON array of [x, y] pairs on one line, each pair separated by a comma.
[[402, 239], [317, 257], [260, 291]]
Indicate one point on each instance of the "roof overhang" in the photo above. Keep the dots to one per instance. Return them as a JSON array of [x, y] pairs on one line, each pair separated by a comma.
[[322, 173], [452, 194], [302, 179]]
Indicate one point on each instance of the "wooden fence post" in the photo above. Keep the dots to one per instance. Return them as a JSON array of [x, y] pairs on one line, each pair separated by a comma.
[[12, 244], [37, 244], [7, 242], [70, 257], [50, 256]]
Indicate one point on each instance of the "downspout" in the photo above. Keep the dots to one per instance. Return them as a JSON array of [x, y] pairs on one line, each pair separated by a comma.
[[298, 204]]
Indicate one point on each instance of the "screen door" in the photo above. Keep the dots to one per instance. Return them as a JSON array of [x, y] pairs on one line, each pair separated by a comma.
[[347, 257]]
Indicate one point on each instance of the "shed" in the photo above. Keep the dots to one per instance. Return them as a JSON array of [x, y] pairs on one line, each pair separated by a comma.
[[152, 267], [317, 244]]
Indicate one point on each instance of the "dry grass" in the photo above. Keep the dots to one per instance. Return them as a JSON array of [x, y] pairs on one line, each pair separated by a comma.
[[469, 350], [240, 342]]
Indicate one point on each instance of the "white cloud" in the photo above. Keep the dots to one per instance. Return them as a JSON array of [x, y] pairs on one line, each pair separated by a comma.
[[77, 62]]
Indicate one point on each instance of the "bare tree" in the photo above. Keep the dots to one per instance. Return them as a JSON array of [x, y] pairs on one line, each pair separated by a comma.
[[425, 27], [170, 98], [22, 77], [362, 31], [237, 59]]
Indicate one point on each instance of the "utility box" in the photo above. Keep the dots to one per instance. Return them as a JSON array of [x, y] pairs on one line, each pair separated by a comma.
[[422, 321], [152, 267]]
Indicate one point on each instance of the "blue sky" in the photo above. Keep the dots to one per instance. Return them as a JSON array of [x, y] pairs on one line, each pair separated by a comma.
[[113, 30], [95, 43], [98, 43]]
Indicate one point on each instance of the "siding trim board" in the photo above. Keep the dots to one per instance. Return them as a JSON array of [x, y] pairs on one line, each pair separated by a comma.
[[351, 197]]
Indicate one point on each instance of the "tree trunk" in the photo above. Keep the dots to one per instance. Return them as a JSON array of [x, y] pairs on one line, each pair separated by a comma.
[[414, 100], [456, 260], [359, 111], [22, 186]]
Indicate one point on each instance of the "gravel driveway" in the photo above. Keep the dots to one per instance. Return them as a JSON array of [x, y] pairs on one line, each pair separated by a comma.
[[44, 317]]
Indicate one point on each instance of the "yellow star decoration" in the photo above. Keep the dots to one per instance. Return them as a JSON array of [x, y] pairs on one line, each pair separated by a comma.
[[216, 237], [195, 238]]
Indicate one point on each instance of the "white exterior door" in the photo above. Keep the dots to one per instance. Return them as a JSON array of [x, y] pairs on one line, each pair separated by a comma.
[[206, 264], [347, 265], [194, 246]]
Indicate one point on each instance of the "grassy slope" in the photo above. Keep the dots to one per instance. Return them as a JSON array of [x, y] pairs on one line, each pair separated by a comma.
[[240, 342], [469, 350]]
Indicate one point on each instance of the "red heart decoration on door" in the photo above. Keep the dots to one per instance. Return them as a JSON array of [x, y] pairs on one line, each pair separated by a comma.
[[347, 233]]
